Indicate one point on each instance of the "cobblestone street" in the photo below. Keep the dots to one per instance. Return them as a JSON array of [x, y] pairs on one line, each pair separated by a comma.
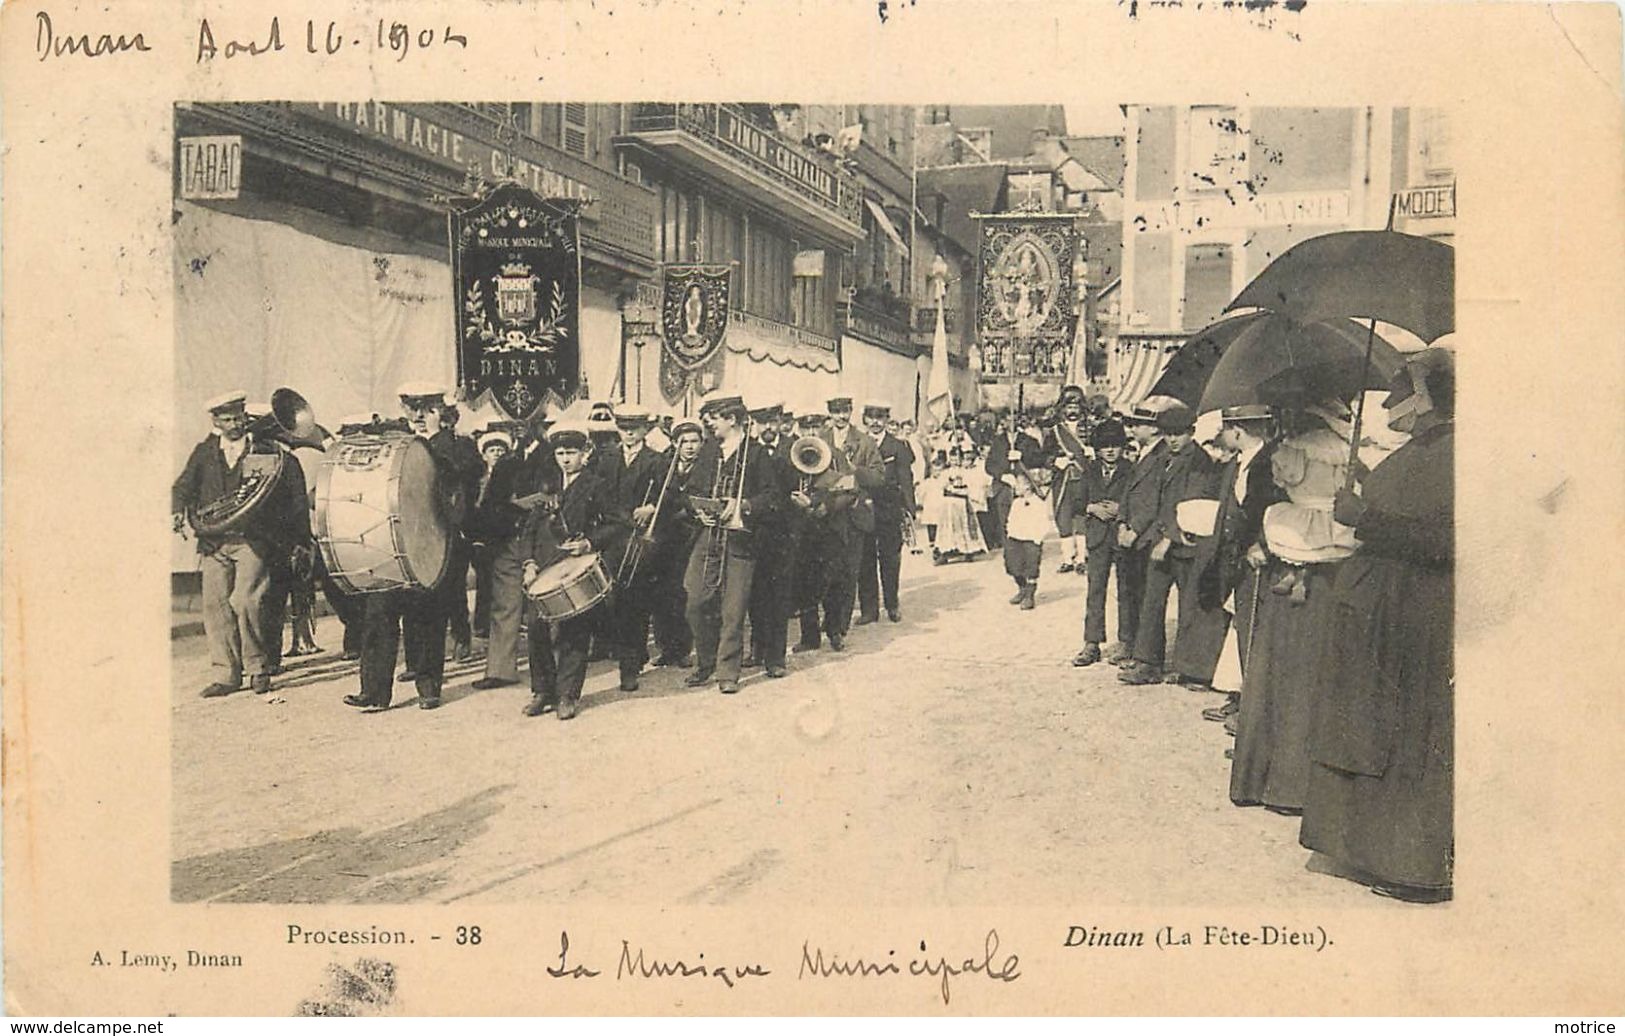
[[942, 761]]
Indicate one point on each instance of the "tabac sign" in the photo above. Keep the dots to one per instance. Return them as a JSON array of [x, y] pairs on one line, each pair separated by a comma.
[[516, 269], [210, 167]]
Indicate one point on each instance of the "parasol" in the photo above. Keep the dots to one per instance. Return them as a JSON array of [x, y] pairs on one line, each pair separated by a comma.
[[1244, 359], [1372, 274]]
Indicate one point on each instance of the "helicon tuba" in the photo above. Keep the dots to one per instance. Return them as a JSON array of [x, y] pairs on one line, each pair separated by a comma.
[[811, 456]]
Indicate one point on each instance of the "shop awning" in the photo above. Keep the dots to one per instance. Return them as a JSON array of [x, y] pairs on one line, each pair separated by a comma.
[[886, 224]]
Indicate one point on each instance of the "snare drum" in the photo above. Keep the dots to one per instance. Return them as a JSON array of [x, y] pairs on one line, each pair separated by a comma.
[[379, 521], [570, 587]]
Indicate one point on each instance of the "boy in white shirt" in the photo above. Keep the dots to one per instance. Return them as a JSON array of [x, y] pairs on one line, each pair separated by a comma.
[[1031, 520]]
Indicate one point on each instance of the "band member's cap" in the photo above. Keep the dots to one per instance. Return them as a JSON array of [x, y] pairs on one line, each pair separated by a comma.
[[1108, 434], [634, 416], [766, 407], [417, 391], [568, 435], [814, 419], [839, 405], [497, 435], [1177, 418], [1071, 392], [232, 400], [684, 425], [876, 408], [1245, 412], [721, 402], [257, 409]]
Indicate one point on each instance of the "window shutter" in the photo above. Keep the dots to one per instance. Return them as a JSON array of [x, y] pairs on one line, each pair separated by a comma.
[[573, 129]]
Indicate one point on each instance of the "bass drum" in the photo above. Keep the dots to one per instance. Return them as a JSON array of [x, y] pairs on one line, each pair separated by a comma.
[[380, 521]]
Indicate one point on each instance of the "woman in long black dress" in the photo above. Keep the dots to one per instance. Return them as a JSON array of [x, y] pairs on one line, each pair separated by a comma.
[[1379, 802]]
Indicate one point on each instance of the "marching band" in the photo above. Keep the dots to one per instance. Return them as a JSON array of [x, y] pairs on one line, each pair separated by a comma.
[[578, 531]]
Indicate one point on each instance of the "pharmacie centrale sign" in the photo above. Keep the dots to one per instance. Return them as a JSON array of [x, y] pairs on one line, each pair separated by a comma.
[[408, 128]]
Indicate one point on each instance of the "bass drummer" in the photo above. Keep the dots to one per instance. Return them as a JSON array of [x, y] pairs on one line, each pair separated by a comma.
[[578, 515], [422, 612]]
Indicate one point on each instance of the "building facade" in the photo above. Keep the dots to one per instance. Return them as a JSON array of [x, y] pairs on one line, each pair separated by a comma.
[[1213, 193]]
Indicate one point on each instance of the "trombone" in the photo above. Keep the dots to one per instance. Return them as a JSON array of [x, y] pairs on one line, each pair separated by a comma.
[[644, 538], [716, 545]]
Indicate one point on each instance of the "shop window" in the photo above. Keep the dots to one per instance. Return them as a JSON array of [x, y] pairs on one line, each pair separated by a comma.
[[1207, 284]]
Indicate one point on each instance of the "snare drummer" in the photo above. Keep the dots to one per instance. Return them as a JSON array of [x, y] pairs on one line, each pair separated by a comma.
[[579, 516], [421, 613]]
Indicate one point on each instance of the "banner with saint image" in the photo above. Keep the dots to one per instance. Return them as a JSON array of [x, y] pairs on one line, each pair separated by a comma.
[[693, 324], [516, 268], [1025, 296]]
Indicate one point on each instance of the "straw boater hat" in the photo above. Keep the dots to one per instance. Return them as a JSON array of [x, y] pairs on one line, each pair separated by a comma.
[[495, 434], [226, 402], [876, 408], [767, 408], [628, 415], [685, 424], [722, 402], [569, 435], [839, 404]]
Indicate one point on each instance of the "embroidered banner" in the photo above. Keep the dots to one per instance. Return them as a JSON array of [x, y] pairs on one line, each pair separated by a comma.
[[516, 267], [693, 323], [1025, 295]]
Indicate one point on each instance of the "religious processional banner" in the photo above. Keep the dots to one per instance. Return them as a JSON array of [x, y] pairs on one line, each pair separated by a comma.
[[516, 270], [693, 324], [1025, 296]]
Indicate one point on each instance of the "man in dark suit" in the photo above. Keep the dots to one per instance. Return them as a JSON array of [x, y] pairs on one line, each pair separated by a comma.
[[420, 614], [881, 552], [675, 532], [723, 561], [848, 516], [1006, 440], [515, 487], [578, 514], [635, 474], [1100, 499], [236, 565], [772, 589], [1179, 470], [1228, 563], [1137, 513]]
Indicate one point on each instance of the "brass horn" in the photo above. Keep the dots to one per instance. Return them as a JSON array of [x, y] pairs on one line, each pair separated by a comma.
[[810, 455], [295, 421]]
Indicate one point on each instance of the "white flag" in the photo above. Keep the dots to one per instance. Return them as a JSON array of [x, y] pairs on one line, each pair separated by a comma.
[[940, 398]]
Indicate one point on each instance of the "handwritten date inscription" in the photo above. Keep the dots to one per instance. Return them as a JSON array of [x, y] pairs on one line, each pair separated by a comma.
[[396, 37]]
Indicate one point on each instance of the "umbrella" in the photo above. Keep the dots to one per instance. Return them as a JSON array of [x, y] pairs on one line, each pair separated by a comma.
[[1269, 358], [1379, 274]]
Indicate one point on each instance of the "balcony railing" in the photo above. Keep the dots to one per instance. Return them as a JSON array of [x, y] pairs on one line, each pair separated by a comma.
[[874, 324], [788, 334], [925, 320], [726, 129]]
